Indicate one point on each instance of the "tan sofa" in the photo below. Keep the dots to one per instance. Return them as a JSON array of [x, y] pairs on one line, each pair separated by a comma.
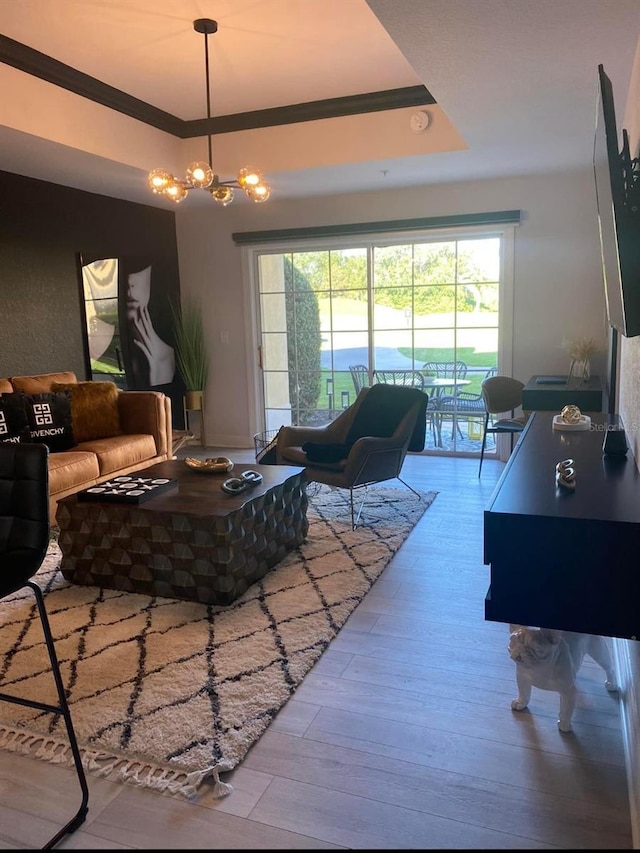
[[144, 439]]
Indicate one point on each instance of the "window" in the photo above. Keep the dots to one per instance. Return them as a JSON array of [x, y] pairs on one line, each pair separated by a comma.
[[332, 315]]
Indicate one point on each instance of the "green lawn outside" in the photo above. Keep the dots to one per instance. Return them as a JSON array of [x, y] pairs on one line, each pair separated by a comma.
[[467, 354], [344, 314]]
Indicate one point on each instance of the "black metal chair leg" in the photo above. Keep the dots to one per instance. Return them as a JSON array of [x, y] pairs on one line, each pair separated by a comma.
[[355, 517], [61, 708], [484, 441], [411, 489]]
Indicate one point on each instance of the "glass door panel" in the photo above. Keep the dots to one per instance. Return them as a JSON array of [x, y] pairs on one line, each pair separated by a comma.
[[329, 319]]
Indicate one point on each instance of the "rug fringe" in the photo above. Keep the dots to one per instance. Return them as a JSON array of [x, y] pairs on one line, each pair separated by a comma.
[[143, 774]]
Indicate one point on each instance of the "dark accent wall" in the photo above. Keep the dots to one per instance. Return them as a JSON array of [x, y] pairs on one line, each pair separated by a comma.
[[43, 228]]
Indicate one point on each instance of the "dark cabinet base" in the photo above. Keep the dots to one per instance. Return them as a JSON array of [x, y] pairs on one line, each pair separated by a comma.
[[550, 397], [559, 559]]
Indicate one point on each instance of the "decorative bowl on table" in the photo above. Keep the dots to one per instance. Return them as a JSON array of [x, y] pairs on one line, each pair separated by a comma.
[[215, 465]]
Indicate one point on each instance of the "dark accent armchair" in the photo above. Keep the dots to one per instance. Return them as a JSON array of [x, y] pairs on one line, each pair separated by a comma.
[[367, 442], [24, 539]]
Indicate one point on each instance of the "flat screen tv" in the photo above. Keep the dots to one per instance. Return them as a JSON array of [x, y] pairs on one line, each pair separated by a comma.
[[617, 191]]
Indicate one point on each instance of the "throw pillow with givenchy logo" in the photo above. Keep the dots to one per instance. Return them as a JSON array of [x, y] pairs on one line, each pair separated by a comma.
[[14, 426], [49, 417], [42, 414]]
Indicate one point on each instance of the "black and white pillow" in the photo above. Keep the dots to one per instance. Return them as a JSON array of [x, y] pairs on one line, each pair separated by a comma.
[[49, 417], [14, 425]]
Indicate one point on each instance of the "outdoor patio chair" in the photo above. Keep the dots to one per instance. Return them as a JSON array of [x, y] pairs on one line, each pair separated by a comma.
[[360, 376], [367, 442], [24, 540], [441, 370], [411, 378], [463, 403], [445, 369]]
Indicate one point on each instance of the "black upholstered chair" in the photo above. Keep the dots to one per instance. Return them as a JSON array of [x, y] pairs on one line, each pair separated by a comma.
[[367, 442], [24, 540]]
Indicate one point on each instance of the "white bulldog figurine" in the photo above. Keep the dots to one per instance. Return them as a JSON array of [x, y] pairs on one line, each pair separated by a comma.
[[550, 660]]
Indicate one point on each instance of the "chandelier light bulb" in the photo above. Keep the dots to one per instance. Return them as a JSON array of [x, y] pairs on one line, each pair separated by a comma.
[[159, 180], [260, 192], [200, 174], [176, 191], [249, 177]]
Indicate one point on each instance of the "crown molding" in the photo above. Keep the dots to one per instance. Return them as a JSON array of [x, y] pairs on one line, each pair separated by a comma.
[[41, 65]]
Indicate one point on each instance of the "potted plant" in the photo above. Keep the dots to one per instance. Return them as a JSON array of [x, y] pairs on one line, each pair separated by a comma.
[[191, 352]]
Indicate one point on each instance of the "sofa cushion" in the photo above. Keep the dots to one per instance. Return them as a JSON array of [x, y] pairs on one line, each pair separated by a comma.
[[49, 417], [5, 386], [94, 409], [14, 426], [120, 451], [72, 469], [42, 382]]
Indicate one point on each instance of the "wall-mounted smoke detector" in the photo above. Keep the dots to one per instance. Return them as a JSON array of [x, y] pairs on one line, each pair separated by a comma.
[[420, 121]]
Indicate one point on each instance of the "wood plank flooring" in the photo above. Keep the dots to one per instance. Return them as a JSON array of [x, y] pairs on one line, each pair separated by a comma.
[[401, 737]]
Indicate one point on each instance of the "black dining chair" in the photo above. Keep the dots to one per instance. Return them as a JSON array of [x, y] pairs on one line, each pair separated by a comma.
[[24, 541]]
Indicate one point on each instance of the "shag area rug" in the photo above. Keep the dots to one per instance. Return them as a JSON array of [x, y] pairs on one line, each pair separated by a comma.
[[166, 693]]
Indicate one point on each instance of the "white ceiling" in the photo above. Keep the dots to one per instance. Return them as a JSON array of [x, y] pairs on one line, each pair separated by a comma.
[[516, 78]]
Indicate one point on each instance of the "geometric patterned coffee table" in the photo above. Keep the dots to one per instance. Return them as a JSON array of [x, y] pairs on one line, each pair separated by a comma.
[[193, 542]]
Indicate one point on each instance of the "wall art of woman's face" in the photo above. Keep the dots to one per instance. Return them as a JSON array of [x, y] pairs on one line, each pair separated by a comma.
[[138, 290]]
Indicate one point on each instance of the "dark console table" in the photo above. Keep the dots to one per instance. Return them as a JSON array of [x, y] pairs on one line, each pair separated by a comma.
[[559, 559], [552, 396]]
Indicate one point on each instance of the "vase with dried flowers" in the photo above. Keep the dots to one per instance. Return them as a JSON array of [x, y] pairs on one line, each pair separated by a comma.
[[580, 351]]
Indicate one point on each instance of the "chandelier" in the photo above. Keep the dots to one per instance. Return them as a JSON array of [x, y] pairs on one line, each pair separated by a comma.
[[200, 175]]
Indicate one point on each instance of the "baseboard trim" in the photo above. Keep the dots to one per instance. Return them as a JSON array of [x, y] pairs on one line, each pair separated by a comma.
[[627, 665]]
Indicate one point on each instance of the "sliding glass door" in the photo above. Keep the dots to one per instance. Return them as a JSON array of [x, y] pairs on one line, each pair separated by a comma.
[[426, 311]]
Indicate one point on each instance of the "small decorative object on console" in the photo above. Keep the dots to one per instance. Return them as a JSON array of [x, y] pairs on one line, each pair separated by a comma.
[[571, 418], [566, 474], [236, 485], [215, 465], [571, 414], [127, 489], [580, 351]]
